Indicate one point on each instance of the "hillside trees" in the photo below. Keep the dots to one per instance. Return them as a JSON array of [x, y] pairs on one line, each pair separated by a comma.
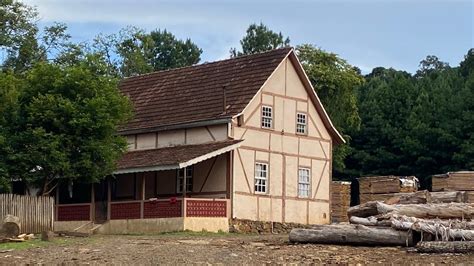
[[415, 125]]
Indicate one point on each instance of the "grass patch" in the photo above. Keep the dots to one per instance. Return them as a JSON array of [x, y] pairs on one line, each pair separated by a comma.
[[23, 245], [34, 243]]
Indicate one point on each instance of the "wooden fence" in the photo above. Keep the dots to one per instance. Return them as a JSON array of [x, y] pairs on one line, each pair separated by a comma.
[[35, 213]]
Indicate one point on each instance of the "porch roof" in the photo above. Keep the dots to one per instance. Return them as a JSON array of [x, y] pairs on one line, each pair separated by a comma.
[[176, 157]]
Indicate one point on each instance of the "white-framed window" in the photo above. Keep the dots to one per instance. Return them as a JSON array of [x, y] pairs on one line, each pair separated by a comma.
[[301, 123], [189, 179], [261, 178], [303, 182], [267, 117]]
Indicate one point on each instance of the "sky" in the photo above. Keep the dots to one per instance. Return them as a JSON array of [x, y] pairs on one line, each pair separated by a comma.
[[367, 33]]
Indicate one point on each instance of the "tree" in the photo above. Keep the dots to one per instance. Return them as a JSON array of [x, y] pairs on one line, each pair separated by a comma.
[[335, 82], [259, 38], [65, 124], [415, 125], [431, 64], [133, 51]]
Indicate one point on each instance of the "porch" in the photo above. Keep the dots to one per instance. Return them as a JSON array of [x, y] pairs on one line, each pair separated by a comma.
[[193, 194]]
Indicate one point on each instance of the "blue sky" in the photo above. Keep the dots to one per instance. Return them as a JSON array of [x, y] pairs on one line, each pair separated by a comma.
[[367, 33]]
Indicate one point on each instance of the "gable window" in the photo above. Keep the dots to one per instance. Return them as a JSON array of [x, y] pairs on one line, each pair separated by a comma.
[[301, 123], [303, 182], [189, 179], [261, 177], [267, 117]]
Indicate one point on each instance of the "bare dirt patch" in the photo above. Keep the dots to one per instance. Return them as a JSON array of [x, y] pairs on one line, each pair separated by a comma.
[[214, 249]]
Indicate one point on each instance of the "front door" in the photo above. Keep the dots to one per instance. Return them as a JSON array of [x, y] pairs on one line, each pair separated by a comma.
[[100, 191]]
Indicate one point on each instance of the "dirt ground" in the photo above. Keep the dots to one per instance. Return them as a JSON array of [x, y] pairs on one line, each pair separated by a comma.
[[180, 248]]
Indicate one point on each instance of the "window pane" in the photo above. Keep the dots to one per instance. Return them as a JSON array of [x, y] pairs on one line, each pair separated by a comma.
[[261, 173], [303, 182], [266, 117]]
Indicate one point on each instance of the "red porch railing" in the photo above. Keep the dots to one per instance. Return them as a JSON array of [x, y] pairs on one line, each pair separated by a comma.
[[73, 212], [145, 209]]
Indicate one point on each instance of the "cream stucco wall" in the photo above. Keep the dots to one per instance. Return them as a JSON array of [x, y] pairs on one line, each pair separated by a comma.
[[285, 151], [209, 178], [188, 136]]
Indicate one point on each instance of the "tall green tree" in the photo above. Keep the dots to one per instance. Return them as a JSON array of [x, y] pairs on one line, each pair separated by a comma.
[[415, 125], [65, 123], [133, 51], [259, 38], [335, 82]]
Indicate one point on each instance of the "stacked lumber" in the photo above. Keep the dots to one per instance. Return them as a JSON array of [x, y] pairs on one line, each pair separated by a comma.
[[461, 181], [376, 224], [340, 201], [455, 181], [381, 188]]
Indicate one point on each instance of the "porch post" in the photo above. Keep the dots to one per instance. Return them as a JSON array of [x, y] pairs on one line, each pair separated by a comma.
[[109, 198], [56, 200], [92, 210], [184, 182], [142, 196], [184, 206]]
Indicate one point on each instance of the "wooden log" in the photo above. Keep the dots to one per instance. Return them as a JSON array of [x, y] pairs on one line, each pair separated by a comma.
[[47, 235], [445, 247], [441, 210], [420, 197], [350, 234], [448, 196], [369, 221], [10, 226], [363, 210]]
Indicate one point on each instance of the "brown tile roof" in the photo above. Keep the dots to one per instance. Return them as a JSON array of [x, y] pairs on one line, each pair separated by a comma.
[[172, 156], [195, 93]]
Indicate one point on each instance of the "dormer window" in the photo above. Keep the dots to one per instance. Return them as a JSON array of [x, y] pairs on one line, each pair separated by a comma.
[[267, 117]]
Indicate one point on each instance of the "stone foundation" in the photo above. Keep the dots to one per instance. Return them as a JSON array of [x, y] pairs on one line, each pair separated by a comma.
[[259, 227]]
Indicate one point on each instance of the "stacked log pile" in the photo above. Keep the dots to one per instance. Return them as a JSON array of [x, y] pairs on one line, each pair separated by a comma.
[[403, 220], [340, 201], [381, 188], [455, 181]]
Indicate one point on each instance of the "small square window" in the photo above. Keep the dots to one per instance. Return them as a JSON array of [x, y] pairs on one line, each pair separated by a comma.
[[189, 179], [303, 182], [267, 117], [261, 177], [301, 123]]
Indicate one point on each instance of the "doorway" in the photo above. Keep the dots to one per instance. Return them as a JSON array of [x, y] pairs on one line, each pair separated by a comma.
[[101, 191]]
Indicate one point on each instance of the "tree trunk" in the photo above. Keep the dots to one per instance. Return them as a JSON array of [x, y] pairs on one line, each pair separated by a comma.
[[10, 226], [419, 197], [352, 235], [445, 247], [441, 210], [363, 210], [448, 196], [369, 221]]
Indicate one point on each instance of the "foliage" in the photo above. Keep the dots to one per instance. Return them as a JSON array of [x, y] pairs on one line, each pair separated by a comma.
[[64, 124], [259, 38], [133, 51], [335, 81], [416, 125]]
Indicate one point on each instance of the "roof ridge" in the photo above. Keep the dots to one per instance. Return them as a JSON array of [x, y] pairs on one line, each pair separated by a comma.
[[290, 48]]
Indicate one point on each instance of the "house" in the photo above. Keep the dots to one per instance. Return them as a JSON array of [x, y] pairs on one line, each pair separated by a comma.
[[242, 138]]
